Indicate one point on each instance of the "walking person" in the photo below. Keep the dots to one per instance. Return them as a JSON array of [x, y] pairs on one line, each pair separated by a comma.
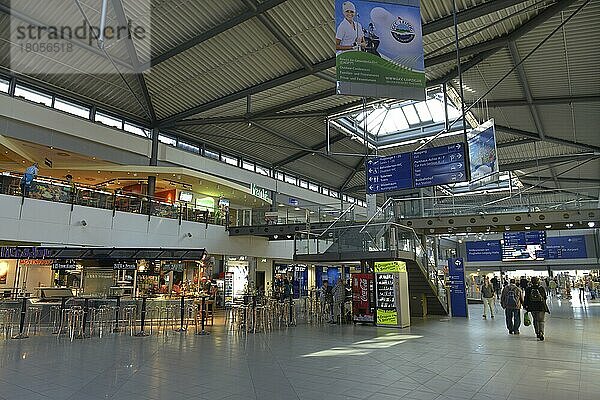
[[496, 284], [487, 295], [27, 179], [511, 300], [339, 295], [553, 285], [535, 303]]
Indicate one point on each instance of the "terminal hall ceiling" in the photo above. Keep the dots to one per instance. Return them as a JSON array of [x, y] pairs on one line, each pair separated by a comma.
[[256, 78]]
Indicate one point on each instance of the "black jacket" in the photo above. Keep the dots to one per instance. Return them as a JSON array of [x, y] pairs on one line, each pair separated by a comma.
[[535, 305]]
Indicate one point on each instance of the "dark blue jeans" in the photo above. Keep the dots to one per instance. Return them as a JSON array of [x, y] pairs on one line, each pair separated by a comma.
[[513, 319]]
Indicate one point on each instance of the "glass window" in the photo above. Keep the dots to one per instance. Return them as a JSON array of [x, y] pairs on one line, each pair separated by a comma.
[[291, 179], [279, 176], [231, 160], [71, 108], [344, 197], [4, 85], [211, 154], [325, 191], [423, 111], [411, 114], [313, 187], [248, 165], [189, 147], [136, 130], [263, 170], [333, 194], [351, 200], [33, 95], [108, 120], [303, 184], [167, 140]]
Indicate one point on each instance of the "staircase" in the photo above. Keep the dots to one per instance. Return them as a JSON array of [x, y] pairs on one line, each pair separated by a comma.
[[380, 239]]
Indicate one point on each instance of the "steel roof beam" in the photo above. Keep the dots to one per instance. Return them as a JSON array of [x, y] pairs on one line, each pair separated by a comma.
[[139, 76], [281, 80], [295, 143], [564, 179], [543, 101], [550, 139], [514, 143], [504, 40], [279, 34], [230, 120], [468, 14], [464, 67], [548, 161], [356, 170], [204, 36], [317, 147]]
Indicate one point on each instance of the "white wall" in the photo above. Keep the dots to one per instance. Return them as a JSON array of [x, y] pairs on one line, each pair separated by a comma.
[[49, 223]]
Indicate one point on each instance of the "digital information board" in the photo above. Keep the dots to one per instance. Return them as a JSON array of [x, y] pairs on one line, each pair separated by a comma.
[[524, 246], [486, 250]]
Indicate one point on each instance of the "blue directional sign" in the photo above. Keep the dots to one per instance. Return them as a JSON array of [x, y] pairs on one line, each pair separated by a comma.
[[387, 174], [458, 294], [440, 165]]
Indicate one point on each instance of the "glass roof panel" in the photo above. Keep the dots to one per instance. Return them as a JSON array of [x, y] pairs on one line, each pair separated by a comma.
[[423, 111], [411, 114]]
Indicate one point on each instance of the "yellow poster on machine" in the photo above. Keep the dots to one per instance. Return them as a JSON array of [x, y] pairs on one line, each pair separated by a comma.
[[390, 266], [387, 317]]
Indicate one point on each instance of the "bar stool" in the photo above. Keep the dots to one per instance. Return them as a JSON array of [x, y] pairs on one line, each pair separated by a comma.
[[7, 321], [34, 317], [129, 319], [75, 322]]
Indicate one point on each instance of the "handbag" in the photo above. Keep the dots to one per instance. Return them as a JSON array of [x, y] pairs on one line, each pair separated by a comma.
[[527, 319]]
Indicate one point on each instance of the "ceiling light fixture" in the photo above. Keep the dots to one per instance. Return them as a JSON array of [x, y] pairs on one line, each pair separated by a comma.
[[591, 224]]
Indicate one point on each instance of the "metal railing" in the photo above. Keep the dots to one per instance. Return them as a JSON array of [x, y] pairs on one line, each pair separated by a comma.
[[59, 191]]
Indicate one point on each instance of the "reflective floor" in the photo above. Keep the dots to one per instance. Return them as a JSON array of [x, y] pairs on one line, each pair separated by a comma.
[[434, 359]]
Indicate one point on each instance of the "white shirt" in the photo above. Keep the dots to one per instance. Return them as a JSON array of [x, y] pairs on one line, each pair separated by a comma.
[[348, 35]]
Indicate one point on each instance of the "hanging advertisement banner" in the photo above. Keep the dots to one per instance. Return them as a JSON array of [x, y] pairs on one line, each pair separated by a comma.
[[379, 49], [483, 155]]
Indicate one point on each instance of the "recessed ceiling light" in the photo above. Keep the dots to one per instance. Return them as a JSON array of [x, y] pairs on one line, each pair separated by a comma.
[[548, 226], [591, 224], [281, 205]]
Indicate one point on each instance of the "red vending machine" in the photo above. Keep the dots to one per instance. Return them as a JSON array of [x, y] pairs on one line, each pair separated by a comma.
[[363, 298]]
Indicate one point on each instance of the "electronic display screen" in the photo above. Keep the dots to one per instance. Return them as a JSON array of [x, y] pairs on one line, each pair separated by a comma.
[[524, 246]]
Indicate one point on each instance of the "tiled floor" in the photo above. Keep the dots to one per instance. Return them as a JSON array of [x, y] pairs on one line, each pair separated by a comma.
[[434, 359]]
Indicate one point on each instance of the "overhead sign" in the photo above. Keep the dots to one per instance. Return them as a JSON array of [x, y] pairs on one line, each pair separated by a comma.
[[379, 49], [63, 265], [487, 250], [483, 156], [126, 266], [293, 202], [9, 252], [458, 294], [439, 165], [175, 267], [387, 174], [565, 247], [390, 266], [261, 193]]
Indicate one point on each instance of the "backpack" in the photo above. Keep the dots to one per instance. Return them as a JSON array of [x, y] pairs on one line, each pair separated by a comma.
[[535, 295], [511, 298]]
